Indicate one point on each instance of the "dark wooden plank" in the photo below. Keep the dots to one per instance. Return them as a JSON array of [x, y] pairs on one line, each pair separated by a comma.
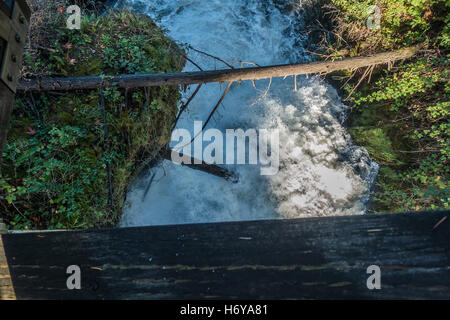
[[319, 258], [6, 103], [14, 23]]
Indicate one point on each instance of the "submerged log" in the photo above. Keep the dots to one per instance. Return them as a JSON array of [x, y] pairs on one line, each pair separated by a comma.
[[316, 258], [187, 78], [203, 166]]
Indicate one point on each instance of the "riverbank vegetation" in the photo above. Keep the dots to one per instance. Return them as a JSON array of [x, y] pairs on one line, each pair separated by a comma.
[[54, 170], [55, 166], [400, 114]]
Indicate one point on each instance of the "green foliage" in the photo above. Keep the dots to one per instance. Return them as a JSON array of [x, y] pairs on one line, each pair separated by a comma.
[[403, 22], [417, 94], [126, 55], [155, 106], [53, 169], [399, 88], [377, 144], [401, 116], [54, 166], [421, 188]]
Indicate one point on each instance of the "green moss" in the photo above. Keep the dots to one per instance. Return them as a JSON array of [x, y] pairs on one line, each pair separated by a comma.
[[54, 167], [377, 144]]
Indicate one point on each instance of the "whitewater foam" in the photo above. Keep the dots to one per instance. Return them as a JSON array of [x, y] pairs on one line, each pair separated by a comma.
[[321, 173]]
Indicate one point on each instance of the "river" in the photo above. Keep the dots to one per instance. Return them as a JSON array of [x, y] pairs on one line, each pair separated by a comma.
[[321, 172]]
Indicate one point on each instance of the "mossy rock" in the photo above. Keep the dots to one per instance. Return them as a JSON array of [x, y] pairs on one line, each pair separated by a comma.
[[377, 143], [54, 167]]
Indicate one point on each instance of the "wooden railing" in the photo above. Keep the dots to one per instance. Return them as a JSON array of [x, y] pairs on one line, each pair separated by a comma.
[[317, 258]]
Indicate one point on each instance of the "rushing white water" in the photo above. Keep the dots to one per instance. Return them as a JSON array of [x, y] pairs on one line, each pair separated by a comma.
[[321, 172]]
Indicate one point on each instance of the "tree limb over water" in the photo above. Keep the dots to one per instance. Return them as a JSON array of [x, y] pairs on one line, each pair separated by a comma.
[[187, 78]]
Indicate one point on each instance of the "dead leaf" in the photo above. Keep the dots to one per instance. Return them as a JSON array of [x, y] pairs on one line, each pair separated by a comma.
[[31, 131], [68, 46]]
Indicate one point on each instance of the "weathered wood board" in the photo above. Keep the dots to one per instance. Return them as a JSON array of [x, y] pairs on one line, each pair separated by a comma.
[[318, 258], [6, 287], [14, 23], [6, 104]]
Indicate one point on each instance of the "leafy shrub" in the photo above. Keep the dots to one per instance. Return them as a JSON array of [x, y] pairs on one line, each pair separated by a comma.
[[403, 22], [54, 166], [401, 115]]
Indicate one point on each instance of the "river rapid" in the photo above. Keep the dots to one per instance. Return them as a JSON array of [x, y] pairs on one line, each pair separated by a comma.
[[321, 172]]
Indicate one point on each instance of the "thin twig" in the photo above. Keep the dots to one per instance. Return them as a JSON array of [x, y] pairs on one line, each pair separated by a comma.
[[439, 222], [370, 73], [44, 48], [349, 78], [214, 57], [32, 105], [183, 108], [359, 82], [195, 64], [210, 115], [215, 108], [248, 62], [108, 163], [148, 186], [263, 95], [419, 151]]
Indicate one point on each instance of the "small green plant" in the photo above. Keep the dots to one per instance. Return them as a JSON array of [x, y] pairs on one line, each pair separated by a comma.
[[155, 106]]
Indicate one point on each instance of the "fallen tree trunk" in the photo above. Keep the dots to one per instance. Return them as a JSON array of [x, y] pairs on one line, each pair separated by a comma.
[[187, 78], [203, 166]]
